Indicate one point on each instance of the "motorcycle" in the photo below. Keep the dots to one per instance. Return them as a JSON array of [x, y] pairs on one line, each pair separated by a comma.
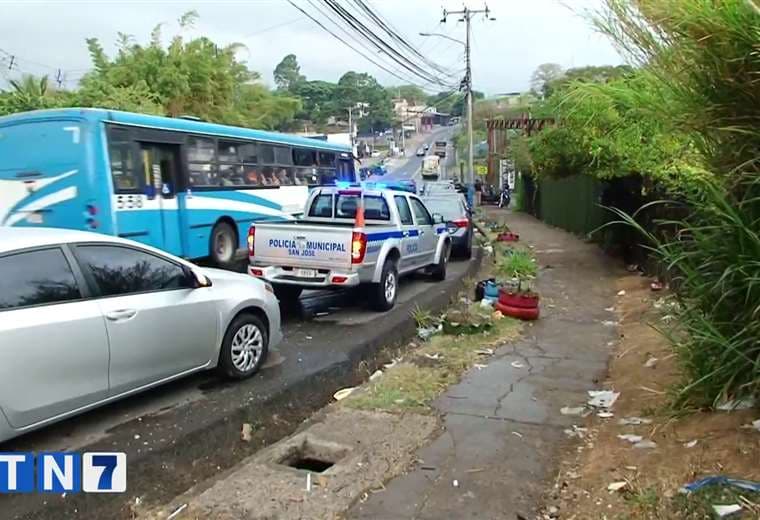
[[505, 198]]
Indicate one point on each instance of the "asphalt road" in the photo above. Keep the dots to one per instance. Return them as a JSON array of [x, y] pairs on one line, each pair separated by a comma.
[[187, 431], [408, 170]]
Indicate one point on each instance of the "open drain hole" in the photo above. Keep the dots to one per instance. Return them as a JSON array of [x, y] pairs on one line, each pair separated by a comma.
[[313, 456], [310, 464]]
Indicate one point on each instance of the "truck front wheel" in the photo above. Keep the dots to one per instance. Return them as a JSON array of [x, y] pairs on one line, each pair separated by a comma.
[[383, 294]]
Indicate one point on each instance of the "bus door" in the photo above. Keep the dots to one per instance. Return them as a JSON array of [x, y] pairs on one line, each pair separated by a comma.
[[161, 169], [345, 168]]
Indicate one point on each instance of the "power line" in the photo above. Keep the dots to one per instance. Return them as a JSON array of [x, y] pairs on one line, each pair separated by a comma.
[[342, 40], [381, 45], [394, 34]]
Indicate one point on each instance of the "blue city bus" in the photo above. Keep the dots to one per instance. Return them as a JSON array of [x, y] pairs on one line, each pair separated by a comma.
[[185, 186]]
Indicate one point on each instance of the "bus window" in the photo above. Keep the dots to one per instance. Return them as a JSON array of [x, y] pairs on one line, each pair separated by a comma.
[[304, 157], [248, 153], [126, 178], [283, 155], [266, 154], [201, 162], [327, 159]]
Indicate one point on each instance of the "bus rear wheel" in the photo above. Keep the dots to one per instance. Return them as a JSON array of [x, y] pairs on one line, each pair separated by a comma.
[[223, 245]]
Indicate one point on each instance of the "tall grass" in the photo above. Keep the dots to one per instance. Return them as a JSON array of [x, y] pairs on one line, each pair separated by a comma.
[[714, 261], [702, 58]]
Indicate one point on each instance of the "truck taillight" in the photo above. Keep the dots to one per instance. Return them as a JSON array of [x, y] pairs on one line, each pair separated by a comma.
[[358, 247], [251, 238]]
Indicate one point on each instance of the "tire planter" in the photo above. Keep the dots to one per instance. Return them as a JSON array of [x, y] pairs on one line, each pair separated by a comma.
[[520, 313], [521, 300], [507, 237]]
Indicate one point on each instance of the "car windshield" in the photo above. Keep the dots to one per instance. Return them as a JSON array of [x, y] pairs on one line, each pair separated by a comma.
[[375, 208], [449, 208]]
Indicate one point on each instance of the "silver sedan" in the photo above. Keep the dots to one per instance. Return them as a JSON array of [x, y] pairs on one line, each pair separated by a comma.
[[86, 319]]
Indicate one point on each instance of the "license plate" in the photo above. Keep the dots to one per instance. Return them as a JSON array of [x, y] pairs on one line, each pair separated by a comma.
[[306, 273]]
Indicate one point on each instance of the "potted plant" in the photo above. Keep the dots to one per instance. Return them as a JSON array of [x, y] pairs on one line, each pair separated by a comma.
[[517, 299]]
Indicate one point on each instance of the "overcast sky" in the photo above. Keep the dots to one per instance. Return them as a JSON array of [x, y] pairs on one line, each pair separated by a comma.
[[47, 35]]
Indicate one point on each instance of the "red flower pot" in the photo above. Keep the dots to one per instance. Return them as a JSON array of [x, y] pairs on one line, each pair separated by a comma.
[[507, 237], [521, 300], [520, 313]]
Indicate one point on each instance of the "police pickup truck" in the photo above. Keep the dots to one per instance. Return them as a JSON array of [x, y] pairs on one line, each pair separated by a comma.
[[350, 236]]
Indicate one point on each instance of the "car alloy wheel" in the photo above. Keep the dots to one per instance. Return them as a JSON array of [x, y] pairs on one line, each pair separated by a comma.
[[390, 287], [247, 346]]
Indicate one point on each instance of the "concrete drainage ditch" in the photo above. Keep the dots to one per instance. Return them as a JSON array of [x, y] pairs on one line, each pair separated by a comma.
[[338, 457]]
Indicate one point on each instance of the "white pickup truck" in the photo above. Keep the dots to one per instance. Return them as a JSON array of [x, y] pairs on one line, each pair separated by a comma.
[[331, 247]]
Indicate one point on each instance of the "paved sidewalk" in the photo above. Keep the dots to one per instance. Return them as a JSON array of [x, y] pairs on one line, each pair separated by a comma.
[[503, 426]]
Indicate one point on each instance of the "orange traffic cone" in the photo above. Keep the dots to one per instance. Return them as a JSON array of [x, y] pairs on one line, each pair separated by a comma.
[[359, 221]]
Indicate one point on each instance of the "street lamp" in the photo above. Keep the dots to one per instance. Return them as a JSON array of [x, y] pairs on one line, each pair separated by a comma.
[[444, 36]]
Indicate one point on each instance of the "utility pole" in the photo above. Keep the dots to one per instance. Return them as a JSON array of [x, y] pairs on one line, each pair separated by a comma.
[[467, 15]]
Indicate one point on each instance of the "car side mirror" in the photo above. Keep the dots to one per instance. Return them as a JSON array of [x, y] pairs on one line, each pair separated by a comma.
[[197, 279], [437, 218]]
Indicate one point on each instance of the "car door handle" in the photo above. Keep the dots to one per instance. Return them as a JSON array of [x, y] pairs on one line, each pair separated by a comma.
[[121, 314], [406, 233], [422, 232]]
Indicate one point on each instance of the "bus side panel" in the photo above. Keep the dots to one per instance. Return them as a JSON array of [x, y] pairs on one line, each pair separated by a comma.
[[203, 209], [43, 173]]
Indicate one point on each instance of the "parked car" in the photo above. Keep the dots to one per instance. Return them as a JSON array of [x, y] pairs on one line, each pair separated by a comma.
[[86, 319], [329, 249], [458, 220], [420, 152], [426, 146]]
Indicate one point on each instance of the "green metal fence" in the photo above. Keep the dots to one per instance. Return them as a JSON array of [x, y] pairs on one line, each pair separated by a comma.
[[571, 203]]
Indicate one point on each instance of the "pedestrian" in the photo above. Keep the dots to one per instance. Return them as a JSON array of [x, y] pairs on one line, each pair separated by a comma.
[[478, 191]]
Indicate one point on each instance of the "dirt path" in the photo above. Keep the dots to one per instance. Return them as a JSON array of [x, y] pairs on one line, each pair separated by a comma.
[[503, 426]]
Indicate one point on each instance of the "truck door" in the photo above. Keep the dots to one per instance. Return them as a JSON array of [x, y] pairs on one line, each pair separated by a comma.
[[409, 238], [161, 168], [428, 239]]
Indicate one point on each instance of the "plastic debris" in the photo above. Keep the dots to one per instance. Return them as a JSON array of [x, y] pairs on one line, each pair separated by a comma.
[[651, 362], [610, 309], [246, 432], [617, 486], [646, 444], [605, 415], [517, 364], [486, 303], [733, 404], [609, 323], [575, 410], [656, 286], [723, 511], [177, 511], [375, 375], [602, 398], [433, 356], [308, 482], [424, 333], [690, 444], [621, 293], [517, 434], [717, 480], [576, 431], [497, 315], [455, 483], [485, 352], [309, 337], [343, 393], [633, 439], [755, 425], [635, 421], [479, 366]]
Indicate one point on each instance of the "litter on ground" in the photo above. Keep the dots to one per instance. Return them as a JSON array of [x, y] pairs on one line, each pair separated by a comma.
[[575, 410], [602, 398], [634, 421], [375, 375], [343, 393], [690, 444], [630, 437], [723, 511], [651, 362], [616, 486], [246, 432], [517, 364], [646, 444], [742, 404], [718, 480]]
